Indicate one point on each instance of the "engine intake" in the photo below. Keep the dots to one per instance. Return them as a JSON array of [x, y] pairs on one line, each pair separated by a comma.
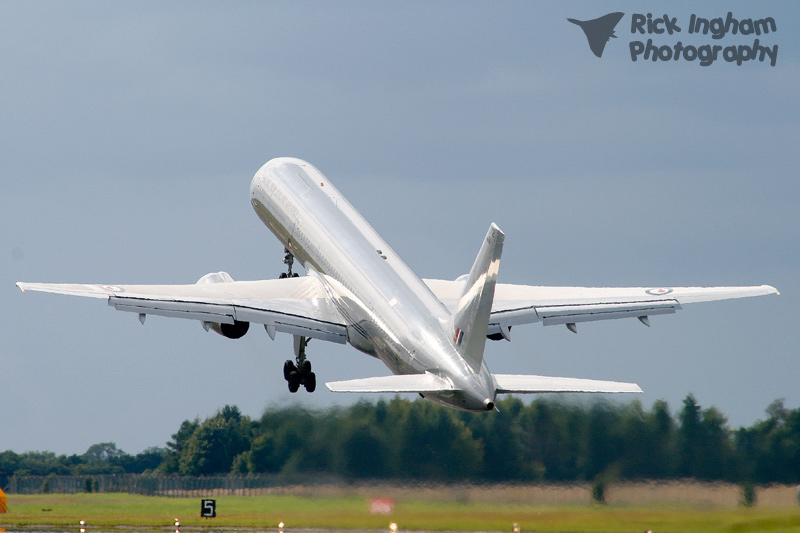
[[231, 331]]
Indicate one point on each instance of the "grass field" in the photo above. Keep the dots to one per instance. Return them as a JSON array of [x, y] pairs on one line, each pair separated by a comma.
[[432, 509]]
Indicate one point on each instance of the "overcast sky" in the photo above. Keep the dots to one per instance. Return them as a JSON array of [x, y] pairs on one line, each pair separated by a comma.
[[131, 130]]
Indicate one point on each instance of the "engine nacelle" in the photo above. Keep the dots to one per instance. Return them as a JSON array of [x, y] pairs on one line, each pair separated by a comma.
[[231, 331]]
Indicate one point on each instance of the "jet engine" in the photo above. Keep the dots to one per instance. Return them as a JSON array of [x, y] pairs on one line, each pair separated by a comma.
[[231, 331]]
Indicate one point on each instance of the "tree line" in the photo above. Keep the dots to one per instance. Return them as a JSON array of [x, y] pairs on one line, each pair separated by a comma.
[[544, 440]]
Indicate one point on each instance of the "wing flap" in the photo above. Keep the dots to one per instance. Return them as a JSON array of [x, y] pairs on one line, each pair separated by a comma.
[[291, 317], [206, 312], [565, 314], [530, 384], [394, 384]]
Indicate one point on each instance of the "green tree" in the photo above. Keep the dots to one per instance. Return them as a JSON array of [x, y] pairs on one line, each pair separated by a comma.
[[705, 445], [9, 463], [437, 445], [603, 445], [690, 439], [779, 457], [297, 440], [364, 451], [213, 446], [503, 438], [663, 461], [146, 461], [104, 452], [556, 439], [262, 458], [645, 441], [42, 464], [770, 449], [175, 447], [717, 451]]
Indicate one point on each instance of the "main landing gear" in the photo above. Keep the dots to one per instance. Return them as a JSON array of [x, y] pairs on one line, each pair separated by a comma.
[[297, 372], [288, 260], [300, 373]]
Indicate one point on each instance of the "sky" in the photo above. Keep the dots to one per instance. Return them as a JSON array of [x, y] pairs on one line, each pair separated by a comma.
[[131, 130]]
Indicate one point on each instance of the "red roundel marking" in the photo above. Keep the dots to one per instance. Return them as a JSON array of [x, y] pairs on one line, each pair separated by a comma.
[[659, 291], [113, 288]]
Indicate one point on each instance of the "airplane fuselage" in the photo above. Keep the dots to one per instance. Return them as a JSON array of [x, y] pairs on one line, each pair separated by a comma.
[[389, 311]]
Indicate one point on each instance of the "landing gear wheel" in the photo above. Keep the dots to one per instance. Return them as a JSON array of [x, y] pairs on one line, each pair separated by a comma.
[[298, 372], [310, 382], [294, 381], [283, 275], [288, 368]]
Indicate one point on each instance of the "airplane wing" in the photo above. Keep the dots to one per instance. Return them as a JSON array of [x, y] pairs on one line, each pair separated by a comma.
[[299, 306], [525, 304]]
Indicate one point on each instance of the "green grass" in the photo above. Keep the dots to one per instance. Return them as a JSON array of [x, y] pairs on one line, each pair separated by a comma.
[[266, 511]]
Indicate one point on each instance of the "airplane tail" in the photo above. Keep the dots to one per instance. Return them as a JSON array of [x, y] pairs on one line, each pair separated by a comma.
[[470, 322]]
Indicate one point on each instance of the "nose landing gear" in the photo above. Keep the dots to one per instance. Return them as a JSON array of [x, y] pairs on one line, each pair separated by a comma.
[[299, 373]]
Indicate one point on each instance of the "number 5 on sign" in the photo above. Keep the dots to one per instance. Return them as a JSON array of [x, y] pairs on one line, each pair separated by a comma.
[[208, 508]]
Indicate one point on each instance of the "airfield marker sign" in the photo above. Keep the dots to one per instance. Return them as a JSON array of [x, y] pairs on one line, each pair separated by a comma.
[[208, 508]]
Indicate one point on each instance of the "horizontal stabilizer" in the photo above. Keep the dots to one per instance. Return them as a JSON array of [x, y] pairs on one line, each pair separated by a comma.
[[403, 383], [527, 384]]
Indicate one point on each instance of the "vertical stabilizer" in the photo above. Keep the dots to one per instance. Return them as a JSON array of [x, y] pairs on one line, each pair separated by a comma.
[[471, 319]]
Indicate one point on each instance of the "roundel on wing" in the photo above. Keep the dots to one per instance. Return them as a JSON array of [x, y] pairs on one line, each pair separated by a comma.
[[658, 292], [113, 288]]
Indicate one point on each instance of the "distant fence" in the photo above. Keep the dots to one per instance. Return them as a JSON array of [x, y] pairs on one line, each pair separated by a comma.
[[680, 492], [161, 485]]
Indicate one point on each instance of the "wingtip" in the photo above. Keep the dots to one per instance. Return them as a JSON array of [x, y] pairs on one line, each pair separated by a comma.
[[767, 289]]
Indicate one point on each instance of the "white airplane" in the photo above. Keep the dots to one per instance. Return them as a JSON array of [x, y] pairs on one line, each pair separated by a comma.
[[430, 333]]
